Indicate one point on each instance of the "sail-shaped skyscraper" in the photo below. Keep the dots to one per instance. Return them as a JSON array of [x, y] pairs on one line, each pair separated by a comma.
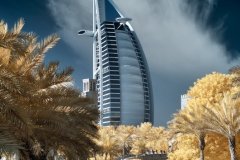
[[120, 68]]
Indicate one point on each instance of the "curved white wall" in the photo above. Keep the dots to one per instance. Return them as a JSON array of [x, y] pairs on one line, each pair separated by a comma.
[[132, 92]]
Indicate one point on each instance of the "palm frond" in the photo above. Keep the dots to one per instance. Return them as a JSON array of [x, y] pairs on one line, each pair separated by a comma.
[[48, 43], [224, 117], [18, 27], [3, 29]]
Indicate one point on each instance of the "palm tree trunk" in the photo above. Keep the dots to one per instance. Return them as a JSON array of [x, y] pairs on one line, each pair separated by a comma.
[[106, 155], [201, 146], [123, 150], [232, 146], [95, 156]]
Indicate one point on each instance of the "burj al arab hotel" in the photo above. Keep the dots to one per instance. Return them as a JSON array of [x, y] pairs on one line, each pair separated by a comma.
[[119, 67]]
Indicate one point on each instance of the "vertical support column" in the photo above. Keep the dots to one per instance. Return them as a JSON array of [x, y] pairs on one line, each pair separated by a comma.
[[100, 57], [16, 155], [94, 41]]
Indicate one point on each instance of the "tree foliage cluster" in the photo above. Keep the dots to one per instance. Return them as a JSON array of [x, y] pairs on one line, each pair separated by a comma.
[[208, 126], [41, 115], [130, 140]]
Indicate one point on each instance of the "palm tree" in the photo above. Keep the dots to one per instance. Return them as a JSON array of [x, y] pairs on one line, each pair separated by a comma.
[[224, 119], [20, 56], [124, 138], [58, 107], [108, 141], [66, 115], [10, 85], [189, 121], [36, 101], [157, 139], [140, 138]]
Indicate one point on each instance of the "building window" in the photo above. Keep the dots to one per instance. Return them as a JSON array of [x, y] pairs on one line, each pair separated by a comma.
[[115, 109], [112, 119]]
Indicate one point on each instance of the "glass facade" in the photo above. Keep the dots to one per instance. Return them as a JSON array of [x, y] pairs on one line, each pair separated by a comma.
[[123, 81]]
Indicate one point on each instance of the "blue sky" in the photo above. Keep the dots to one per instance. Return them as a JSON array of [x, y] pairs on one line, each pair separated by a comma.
[[183, 39]]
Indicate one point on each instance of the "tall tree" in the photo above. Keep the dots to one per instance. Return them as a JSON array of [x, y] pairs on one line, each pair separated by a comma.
[[190, 121], [13, 117], [38, 102], [108, 142], [157, 139], [125, 138], [139, 145]]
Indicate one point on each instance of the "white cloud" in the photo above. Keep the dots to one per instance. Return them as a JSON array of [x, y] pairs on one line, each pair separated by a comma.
[[173, 40], [178, 45], [71, 16]]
